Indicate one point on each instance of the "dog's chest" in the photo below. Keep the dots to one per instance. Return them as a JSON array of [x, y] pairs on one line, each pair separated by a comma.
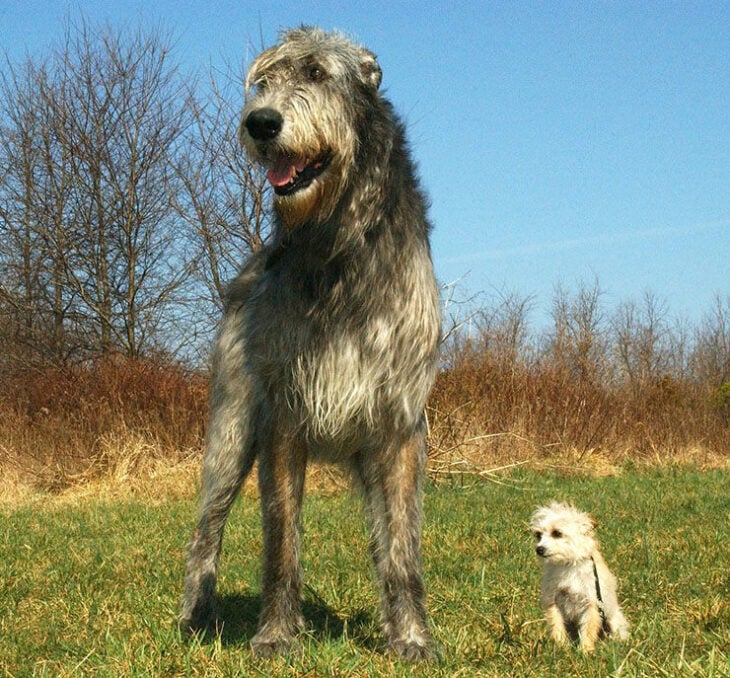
[[571, 588], [344, 361]]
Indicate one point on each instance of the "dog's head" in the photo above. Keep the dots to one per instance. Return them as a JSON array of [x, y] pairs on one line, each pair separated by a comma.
[[563, 533], [308, 102]]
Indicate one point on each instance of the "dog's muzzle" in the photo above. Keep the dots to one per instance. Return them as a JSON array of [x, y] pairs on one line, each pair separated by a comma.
[[540, 550], [264, 124], [286, 173]]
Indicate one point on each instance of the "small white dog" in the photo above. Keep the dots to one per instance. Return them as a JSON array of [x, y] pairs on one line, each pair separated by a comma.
[[578, 593]]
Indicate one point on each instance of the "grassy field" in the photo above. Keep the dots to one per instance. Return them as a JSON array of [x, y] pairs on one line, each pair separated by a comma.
[[91, 586]]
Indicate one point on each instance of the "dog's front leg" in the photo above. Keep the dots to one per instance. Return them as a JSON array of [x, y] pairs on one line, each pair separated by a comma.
[[282, 464], [589, 629], [229, 457], [556, 625], [392, 482]]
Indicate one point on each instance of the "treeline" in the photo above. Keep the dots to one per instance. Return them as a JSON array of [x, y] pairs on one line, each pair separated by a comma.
[[125, 206], [125, 202], [607, 383]]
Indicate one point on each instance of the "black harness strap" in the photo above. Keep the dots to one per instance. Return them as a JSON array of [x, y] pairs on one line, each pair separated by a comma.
[[606, 627]]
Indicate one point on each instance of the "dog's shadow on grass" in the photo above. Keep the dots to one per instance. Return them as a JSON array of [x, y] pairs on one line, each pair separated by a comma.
[[238, 621]]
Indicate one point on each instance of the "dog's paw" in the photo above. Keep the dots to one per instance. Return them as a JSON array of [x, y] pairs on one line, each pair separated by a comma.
[[198, 629], [413, 652], [620, 632], [266, 646], [201, 621], [413, 648]]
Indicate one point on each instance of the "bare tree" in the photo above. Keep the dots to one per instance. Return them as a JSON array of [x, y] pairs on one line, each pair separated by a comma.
[[91, 235], [126, 203], [224, 194], [34, 188], [123, 124], [503, 327], [20, 259], [643, 341], [577, 342], [711, 355]]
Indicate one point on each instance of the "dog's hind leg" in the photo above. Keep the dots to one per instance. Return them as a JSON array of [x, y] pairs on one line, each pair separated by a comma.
[[618, 626]]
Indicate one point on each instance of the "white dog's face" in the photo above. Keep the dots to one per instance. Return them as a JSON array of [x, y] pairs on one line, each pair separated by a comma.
[[563, 533]]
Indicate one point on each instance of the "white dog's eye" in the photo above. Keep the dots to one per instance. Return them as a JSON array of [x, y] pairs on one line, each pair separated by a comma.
[[556, 534], [538, 535]]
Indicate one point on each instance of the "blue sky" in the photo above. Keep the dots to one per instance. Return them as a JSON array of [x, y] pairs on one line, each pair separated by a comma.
[[559, 142]]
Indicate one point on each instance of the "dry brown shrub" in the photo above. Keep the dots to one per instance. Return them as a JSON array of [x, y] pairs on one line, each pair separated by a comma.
[[137, 426], [486, 413], [62, 426]]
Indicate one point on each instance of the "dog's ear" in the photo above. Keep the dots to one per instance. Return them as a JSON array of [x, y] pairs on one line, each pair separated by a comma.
[[370, 69], [587, 524]]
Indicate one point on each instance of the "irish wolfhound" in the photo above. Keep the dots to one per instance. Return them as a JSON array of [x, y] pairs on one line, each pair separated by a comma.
[[327, 348]]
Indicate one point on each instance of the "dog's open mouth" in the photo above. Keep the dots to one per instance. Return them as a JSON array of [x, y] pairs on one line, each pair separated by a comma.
[[289, 175]]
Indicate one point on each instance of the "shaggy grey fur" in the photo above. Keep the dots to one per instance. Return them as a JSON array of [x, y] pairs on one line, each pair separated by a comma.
[[328, 344]]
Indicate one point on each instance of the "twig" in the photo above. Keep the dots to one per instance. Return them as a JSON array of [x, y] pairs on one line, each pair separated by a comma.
[[471, 470]]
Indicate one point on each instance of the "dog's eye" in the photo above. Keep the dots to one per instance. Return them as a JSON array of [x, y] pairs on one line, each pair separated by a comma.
[[538, 535], [315, 73], [556, 534], [259, 85]]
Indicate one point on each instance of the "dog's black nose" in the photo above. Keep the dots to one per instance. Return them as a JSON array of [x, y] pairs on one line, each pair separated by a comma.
[[540, 550], [264, 124]]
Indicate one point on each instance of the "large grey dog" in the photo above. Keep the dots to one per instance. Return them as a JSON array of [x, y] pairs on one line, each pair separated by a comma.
[[328, 345]]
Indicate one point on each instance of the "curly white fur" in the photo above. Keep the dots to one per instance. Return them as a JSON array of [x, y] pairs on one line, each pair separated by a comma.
[[574, 572]]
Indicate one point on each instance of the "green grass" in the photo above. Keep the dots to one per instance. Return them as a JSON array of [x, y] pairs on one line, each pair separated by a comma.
[[93, 588]]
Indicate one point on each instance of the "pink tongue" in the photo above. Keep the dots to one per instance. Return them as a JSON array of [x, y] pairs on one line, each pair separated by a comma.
[[283, 171]]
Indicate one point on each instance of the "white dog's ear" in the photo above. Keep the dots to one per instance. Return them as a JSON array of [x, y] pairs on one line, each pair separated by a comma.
[[585, 523]]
